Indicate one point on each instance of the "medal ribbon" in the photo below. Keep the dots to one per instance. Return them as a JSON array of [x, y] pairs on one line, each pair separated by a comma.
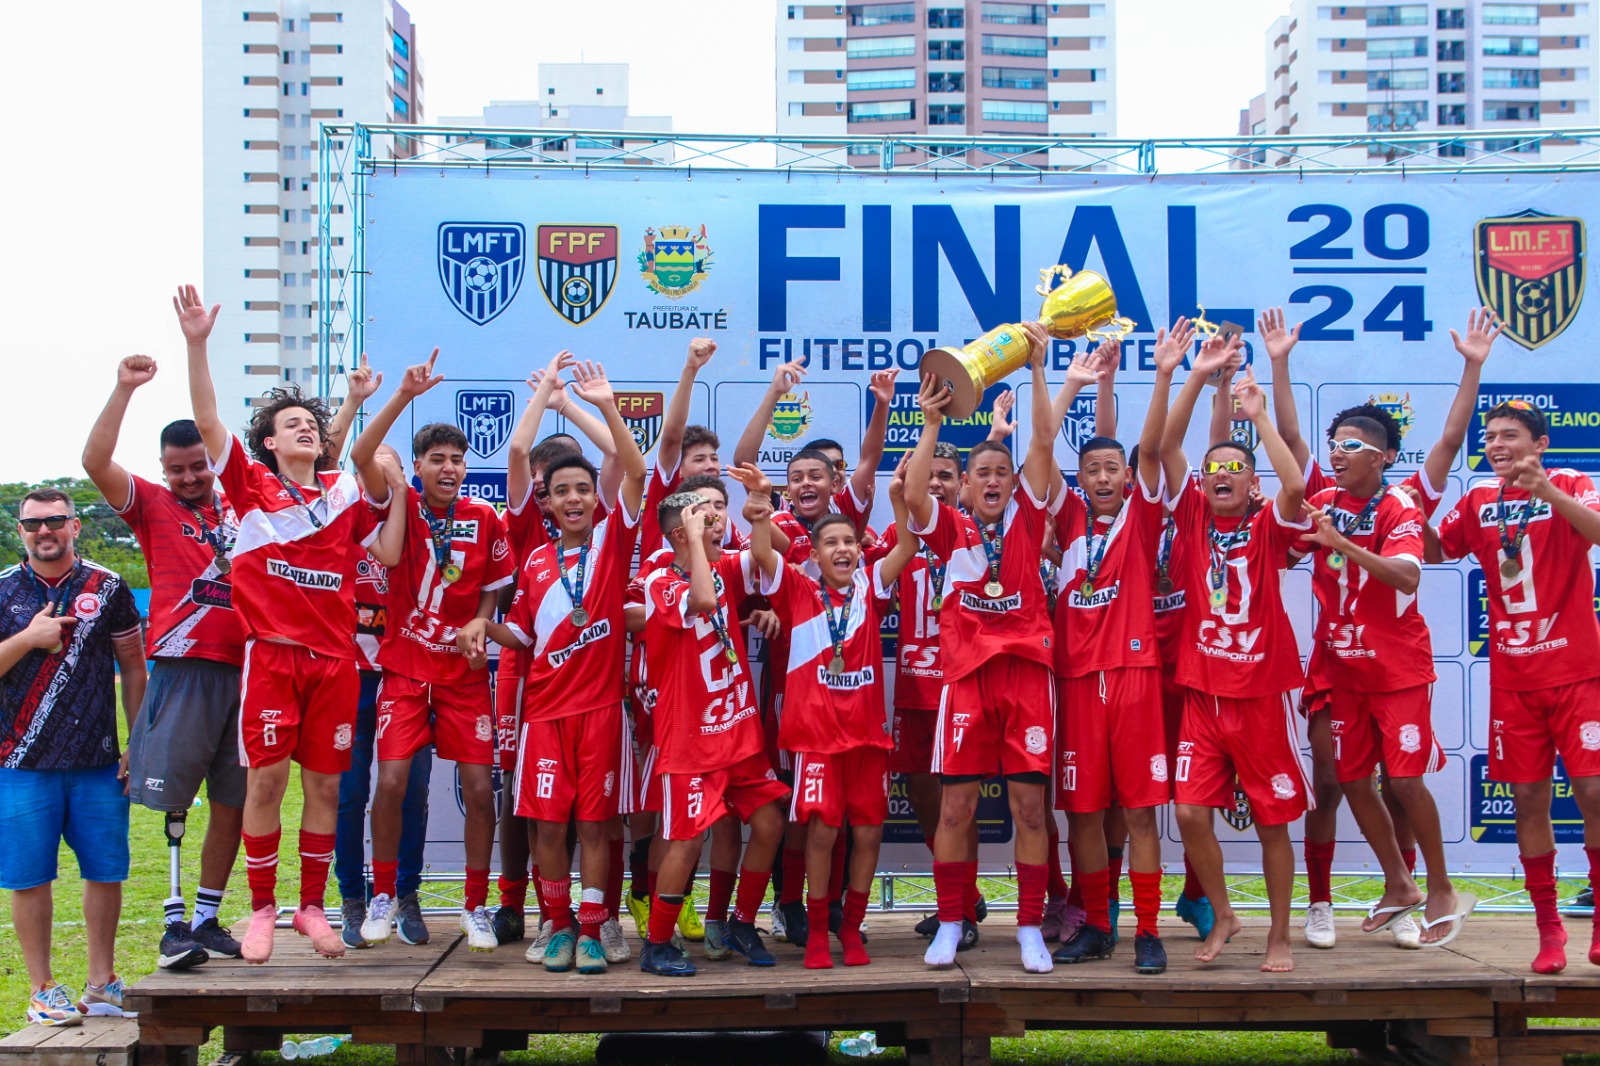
[[440, 532], [1349, 529], [299, 497], [1221, 547], [1164, 552], [993, 545], [58, 603], [1093, 559], [838, 627], [935, 577], [1511, 544], [212, 535], [580, 570], [719, 617]]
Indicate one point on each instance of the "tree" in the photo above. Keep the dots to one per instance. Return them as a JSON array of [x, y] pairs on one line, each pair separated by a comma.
[[106, 538]]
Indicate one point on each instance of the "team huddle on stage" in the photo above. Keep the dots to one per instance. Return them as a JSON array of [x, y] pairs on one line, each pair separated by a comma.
[[1109, 640]]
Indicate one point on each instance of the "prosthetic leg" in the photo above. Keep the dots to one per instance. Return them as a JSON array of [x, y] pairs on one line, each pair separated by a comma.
[[178, 949]]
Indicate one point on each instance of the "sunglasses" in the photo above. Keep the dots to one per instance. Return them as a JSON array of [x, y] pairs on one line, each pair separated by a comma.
[[55, 521], [1351, 446], [1232, 466]]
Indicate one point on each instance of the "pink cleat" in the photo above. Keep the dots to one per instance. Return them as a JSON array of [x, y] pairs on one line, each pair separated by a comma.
[[257, 944], [312, 922]]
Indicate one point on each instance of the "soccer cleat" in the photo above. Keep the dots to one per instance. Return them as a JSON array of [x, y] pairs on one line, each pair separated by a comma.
[[53, 1007], [1088, 944], [795, 923], [1319, 925], [969, 935], [835, 916], [310, 921], [1407, 934], [639, 911], [257, 944], [380, 919], [590, 956], [1055, 919], [928, 926], [779, 933], [408, 919], [210, 935], [104, 1002], [664, 960], [178, 949], [1114, 908], [535, 952], [479, 929], [1149, 956], [1198, 913], [980, 910], [689, 922], [1581, 905], [354, 913], [613, 942], [716, 942], [561, 950], [743, 938], [509, 924]]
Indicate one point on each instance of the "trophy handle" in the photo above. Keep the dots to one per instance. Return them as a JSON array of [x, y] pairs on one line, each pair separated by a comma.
[[1114, 330]]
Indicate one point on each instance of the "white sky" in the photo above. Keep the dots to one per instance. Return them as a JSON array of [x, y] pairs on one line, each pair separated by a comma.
[[103, 104]]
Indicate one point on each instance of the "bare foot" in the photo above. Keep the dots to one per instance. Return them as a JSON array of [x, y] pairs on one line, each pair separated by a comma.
[[1225, 928], [1402, 898], [1279, 958], [1439, 905]]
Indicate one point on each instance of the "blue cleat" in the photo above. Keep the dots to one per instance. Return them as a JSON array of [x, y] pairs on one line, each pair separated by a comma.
[[1198, 913]]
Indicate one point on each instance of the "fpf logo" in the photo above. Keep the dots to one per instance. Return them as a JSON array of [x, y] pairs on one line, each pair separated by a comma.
[[577, 268], [643, 412]]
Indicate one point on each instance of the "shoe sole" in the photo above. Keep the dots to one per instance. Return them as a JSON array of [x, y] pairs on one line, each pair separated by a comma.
[[419, 941], [481, 950], [1150, 970], [1082, 958], [667, 973], [103, 1010], [1320, 947], [187, 961], [373, 942], [53, 1023], [720, 956]]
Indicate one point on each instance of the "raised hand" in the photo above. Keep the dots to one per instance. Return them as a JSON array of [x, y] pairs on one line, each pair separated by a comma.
[[1224, 377], [1001, 421], [362, 382], [1110, 353], [1278, 341], [1323, 532], [420, 378], [46, 631], [701, 349], [1528, 474], [882, 386], [933, 398], [1474, 347], [1038, 342], [558, 394], [1173, 345], [590, 381], [135, 370], [1084, 370], [1250, 399], [1215, 354], [753, 478], [897, 480], [193, 318], [787, 376]]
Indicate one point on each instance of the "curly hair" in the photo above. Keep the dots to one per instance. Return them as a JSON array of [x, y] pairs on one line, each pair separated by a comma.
[[1370, 419], [264, 421]]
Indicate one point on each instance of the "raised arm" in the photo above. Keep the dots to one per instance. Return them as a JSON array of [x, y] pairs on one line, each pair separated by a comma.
[[1039, 469], [1401, 574], [1482, 330], [864, 479], [390, 543], [1083, 371], [107, 474], [1170, 350], [598, 433], [1279, 342], [414, 382], [1105, 393], [784, 379], [1529, 474], [669, 446], [1291, 474], [1222, 402], [589, 379], [519, 479], [905, 541], [1214, 355], [196, 323], [702, 598], [758, 512], [360, 384], [1001, 424], [932, 398]]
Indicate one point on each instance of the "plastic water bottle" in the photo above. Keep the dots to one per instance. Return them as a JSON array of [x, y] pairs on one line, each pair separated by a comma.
[[310, 1049], [860, 1046]]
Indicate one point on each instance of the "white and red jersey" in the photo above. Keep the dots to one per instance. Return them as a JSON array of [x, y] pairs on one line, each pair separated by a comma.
[[191, 598], [294, 564], [705, 715], [1542, 627], [1114, 625], [1372, 638], [664, 483], [641, 693], [1170, 599], [372, 611], [426, 608], [575, 668], [825, 713], [919, 677], [974, 626], [1244, 648]]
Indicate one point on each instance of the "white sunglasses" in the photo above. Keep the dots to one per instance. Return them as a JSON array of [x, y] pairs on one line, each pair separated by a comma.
[[1351, 446]]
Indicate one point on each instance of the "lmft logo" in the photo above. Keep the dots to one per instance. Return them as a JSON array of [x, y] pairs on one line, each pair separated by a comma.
[[480, 266]]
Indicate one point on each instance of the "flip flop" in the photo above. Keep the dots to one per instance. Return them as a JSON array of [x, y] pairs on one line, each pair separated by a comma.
[[1394, 914], [1466, 902]]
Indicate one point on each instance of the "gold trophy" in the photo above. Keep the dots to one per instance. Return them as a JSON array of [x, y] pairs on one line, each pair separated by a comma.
[[1075, 305]]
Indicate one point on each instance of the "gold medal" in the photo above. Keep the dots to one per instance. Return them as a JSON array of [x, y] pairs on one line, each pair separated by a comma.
[[732, 654], [938, 603], [1219, 599], [1336, 560], [836, 665], [1510, 568], [452, 572], [1164, 584], [1086, 589], [224, 564], [993, 589], [580, 617]]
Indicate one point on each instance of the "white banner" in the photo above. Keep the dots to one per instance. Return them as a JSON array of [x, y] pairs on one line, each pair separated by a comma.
[[858, 272]]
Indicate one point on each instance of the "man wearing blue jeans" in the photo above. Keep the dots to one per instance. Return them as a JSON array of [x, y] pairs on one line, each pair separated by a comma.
[[64, 623], [355, 785]]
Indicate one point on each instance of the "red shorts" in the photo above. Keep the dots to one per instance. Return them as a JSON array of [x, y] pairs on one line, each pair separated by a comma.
[[1113, 741], [1255, 739], [690, 803], [913, 741], [1001, 718], [649, 798], [579, 766], [1394, 728], [297, 704], [1315, 701], [850, 784], [507, 709], [1173, 697], [455, 719], [1527, 730]]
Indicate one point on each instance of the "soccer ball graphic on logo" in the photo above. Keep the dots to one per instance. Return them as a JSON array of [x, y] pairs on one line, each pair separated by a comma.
[[482, 274]]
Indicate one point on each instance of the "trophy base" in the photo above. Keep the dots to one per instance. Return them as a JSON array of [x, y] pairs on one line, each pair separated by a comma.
[[947, 366]]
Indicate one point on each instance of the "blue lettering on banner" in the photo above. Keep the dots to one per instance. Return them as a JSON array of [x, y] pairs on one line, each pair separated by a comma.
[[994, 812], [905, 423], [1477, 613], [1573, 414], [1494, 812]]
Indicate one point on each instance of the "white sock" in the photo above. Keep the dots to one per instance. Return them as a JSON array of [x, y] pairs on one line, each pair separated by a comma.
[[1035, 956], [942, 952]]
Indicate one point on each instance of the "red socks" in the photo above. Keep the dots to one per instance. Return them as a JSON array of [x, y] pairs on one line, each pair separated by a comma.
[[794, 875], [591, 916], [1146, 900], [383, 877], [1594, 936], [1539, 877], [1192, 889], [614, 873], [476, 892], [1319, 872], [1114, 874], [1410, 857], [951, 884], [316, 853], [1096, 886], [664, 918], [261, 868], [1031, 879], [719, 895], [817, 954], [752, 890], [513, 894], [555, 902], [855, 909]]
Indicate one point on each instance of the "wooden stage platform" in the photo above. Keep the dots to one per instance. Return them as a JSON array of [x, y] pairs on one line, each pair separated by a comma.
[[1468, 1003]]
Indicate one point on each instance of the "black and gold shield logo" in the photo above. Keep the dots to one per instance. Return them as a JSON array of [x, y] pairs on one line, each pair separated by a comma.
[[1240, 816], [577, 268], [1530, 270]]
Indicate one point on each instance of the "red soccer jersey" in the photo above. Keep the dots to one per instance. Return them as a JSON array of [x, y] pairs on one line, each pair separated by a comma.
[[191, 599], [426, 608], [919, 677], [974, 626], [640, 691], [372, 611], [1169, 604], [1359, 615], [1244, 648], [1114, 625], [1542, 624], [573, 668], [527, 528], [825, 713], [705, 713], [294, 564], [660, 486]]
